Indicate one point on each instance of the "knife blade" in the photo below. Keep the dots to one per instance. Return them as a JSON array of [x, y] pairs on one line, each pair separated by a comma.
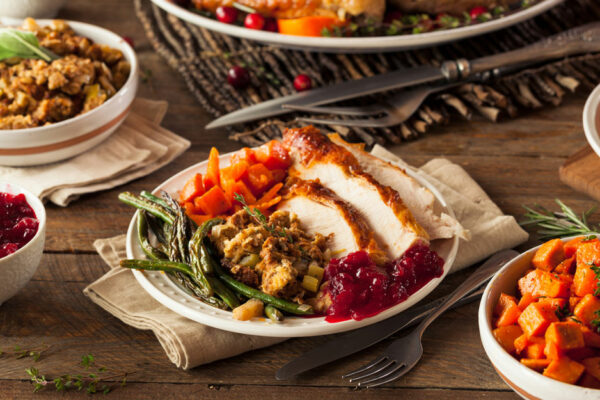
[[579, 40], [362, 338]]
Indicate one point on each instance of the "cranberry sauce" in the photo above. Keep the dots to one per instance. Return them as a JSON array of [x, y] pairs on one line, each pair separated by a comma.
[[359, 289], [18, 223]]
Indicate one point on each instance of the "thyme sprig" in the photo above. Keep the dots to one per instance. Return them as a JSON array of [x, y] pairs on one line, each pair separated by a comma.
[[91, 382], [555, 224], [19, 352], [563, 312]]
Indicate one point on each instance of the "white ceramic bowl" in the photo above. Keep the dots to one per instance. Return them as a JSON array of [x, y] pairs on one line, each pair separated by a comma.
[[17, 268], [528, 383], [65, 139], [591, 120], [30, 8]]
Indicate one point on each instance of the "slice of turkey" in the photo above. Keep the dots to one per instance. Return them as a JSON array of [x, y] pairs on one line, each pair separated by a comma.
[[419, 200], [319, 210], [315, 157]]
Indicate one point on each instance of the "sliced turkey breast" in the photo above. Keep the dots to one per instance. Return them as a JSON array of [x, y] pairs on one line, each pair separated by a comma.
[[319, 210], [315, 157], [419, 200]]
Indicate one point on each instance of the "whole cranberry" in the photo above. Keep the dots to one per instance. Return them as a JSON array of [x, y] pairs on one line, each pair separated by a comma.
[[254, 21], [477, 11], [271, 25], [227, 15], [129, 41], [302, 82], [238, 77]]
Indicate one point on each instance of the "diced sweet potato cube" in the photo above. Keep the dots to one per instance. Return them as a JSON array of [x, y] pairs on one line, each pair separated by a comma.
[[566, 335], [539, 283], [549, 255], [535, 348], [521, 343], [192, 188], [535, 318], [565, 370], [588, 257], [566, 266], [537, 364], [587, 380], [573, 300], [592, 366], [554, 303], [259, 179], [590, 337], [506, 335], [552, 351], [581, 353], [585, 310], [571, 246], [507, 310], [213, 202]]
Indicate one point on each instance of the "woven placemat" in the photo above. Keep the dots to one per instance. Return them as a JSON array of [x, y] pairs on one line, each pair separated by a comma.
[[203, 57]]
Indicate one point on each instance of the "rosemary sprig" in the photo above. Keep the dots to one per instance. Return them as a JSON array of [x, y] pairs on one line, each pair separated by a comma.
[[555, 224]]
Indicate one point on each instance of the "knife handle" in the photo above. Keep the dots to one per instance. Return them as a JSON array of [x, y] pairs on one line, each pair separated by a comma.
[[583, 39]]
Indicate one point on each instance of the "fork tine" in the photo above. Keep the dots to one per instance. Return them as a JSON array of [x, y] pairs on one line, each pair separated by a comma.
[[358, 110], [361, 123], [392, 376], [378, 370], [398, 367], [366, 367]]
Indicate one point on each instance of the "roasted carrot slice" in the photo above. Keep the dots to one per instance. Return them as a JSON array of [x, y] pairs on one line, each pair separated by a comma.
[[213, 202], [199, 219], [241, 189], [270, 194], [212, 170], [549, 255], [192, 188]]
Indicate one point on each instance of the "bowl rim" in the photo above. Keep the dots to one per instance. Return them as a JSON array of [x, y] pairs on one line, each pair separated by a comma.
[[128, 52], [591, 120], [41, 216], [488, 340]]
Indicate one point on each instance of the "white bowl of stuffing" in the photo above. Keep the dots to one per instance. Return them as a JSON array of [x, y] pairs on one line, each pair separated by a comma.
[[65, 93]]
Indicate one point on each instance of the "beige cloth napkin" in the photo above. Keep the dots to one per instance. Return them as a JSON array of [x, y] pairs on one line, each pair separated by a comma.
[[137, 148], [189, 344]]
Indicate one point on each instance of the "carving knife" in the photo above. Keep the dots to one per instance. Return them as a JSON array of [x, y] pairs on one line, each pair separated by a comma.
[[362, 338], [579, 40]]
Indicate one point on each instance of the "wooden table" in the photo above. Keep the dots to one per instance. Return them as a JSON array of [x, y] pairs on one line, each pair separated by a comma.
[[516, 162]]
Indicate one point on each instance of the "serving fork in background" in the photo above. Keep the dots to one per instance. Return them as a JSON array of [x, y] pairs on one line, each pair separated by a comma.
[[404, 353]]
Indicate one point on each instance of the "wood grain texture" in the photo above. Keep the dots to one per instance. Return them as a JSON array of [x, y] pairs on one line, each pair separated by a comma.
[[515, 161]]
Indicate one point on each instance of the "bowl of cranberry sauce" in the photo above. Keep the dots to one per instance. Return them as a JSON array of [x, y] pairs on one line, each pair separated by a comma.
[[22, 236], [358, 288]]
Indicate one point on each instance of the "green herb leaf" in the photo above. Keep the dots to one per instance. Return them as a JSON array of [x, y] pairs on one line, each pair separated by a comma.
[[15, 43]]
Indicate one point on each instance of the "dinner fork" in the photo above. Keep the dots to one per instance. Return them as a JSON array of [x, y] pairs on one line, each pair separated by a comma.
[[404, 353], [397, 109]]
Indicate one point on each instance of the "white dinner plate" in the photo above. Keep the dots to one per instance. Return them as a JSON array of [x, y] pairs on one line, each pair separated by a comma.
[[358, 44], [169, 293], [591, 120]]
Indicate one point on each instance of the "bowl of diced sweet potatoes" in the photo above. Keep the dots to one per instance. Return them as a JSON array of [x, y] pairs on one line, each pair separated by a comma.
[[539, 320]]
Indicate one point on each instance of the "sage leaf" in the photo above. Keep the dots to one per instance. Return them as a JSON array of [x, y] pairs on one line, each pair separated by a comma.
[[15, 43]]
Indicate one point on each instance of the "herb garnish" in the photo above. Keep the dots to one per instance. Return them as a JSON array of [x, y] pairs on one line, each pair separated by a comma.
[[555, 224], [19, 44], [596, 321], [563, 312], [596, 270]]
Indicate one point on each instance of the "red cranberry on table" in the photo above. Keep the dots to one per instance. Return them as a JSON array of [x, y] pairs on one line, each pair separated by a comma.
[[254, 21], [238, 77], [302, 82], [271, 25], [226, 14], [477, 11], [129, 41]]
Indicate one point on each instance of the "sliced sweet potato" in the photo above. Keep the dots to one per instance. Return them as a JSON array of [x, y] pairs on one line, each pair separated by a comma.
[[213, 202], [539, 283], [573, 300], [552, 351], [590, 337], [506, 335], [592, 366], [571, 246], [521, 343], [566, 266], [588, 257], [535, 318], [566, 335], [535, 348], [525, 300], [586, 308], [507, 310], [537, 364], [565, 370], [549, 255], [555, 303]]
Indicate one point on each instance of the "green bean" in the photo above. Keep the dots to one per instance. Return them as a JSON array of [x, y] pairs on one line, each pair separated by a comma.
[[157, 265], [142, 231], [223, 292], [196, 245], [155, 199], [273, 313], [145, 204]]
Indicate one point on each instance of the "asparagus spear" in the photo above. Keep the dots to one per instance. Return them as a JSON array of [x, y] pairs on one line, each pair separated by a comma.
[[145, 204]]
